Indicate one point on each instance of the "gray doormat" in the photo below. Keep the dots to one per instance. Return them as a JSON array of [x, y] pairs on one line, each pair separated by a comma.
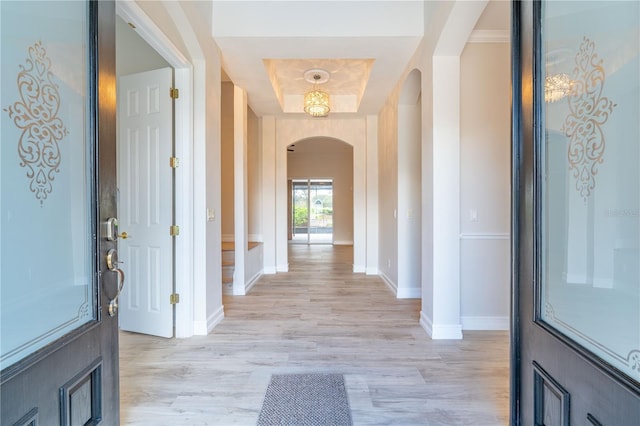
[[306, 400]]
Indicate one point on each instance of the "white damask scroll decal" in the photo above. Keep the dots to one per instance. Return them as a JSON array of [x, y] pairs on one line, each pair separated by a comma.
[[36, 114], [589, 111]]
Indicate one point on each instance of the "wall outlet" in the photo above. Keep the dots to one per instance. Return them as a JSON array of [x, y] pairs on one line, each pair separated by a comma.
[[211, 215]]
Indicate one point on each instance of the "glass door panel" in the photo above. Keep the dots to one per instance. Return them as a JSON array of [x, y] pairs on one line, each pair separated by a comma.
[[47, 252], [590, 191], [320, 212], [300, 211], [312, 211]]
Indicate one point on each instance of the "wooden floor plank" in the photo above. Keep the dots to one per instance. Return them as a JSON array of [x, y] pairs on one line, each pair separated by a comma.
[[319, 317]]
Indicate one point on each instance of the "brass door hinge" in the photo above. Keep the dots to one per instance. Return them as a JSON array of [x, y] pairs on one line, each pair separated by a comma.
[[174, 162], [174, 298], [174, 230], [174, 93]]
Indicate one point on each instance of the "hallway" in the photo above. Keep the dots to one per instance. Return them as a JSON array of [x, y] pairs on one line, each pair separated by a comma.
[[319, 317]]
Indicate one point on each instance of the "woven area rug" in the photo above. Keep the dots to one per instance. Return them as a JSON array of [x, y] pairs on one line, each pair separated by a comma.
[[306, 400]]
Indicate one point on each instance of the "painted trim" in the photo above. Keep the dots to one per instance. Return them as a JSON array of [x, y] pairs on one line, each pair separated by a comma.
[[393, 286], [485, 323], [200, 328], [485, 236], [447, 332], [129, 11], [489, 36], [249, 285], [372, 271], [228, 238], [440, 331], [269, 270], [409, 293], [342, 243], [282, 268], [256, 238], [426, 324], [358, 269]]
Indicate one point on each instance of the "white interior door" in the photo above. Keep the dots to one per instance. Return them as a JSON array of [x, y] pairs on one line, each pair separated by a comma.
[[145, 145]]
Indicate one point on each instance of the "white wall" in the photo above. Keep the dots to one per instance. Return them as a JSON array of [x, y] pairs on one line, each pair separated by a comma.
[[288, 131], [186, 25], [327, 158], [133, 54], [227, 169], [485, 161], [409, 188], [388, 192], [254, 177]]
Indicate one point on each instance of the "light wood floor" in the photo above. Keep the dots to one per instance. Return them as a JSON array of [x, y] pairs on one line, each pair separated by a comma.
[[319, 317]]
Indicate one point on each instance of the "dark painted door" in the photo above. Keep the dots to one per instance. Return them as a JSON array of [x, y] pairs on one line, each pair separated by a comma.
[[59, 348], [576, 205]]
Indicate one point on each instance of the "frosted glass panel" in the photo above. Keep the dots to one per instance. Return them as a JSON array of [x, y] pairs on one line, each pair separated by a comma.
[[46, 251], [591, 177]]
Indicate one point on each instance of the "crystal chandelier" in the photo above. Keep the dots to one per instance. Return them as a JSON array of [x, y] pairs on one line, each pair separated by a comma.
[[316, 101]]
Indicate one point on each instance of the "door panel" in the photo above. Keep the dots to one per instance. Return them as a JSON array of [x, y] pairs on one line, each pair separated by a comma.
[[312, 211], [60, 361], [577, 198], [146, 198]]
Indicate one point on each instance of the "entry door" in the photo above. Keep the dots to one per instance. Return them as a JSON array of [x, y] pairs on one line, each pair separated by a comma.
[[145, 183], [59, 344], [576, 159]]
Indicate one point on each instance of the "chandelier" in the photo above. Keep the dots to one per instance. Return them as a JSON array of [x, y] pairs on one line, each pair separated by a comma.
[[316, 101]]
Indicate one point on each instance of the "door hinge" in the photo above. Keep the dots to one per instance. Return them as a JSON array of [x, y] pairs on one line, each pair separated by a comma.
[[174, 93], [174, 298], [174, 230], [174, 162]]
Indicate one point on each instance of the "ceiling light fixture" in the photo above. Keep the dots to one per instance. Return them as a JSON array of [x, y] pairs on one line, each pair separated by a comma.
[[316, 101]]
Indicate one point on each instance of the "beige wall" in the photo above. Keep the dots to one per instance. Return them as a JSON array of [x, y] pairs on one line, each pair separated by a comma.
[[328, 158], [226, 173], [388, 188], [133, 54], [485, 160], [254, 177], [254, 168]]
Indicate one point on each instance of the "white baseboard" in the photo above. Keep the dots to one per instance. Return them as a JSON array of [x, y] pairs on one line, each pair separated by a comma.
[[202, 328], [425, 322], [409, 293], [371, 271], [282, 268], [440, 331], [252, 282], [269, 270], [255, 238], [358, 269], [485, 323], [228, 238], [388, 282], [603, 282], [342, 243]]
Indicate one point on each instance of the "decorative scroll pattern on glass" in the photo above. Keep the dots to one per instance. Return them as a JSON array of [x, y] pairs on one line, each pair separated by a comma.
[[589, 111], [632, 359], [36, 113]]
